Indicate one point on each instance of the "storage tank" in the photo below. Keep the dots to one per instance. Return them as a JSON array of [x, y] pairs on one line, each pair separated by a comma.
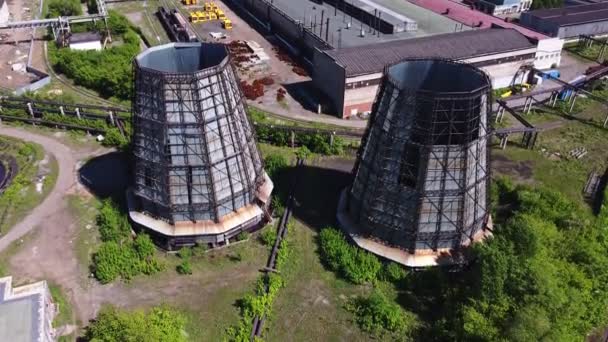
[[197, 171], [420, 189]]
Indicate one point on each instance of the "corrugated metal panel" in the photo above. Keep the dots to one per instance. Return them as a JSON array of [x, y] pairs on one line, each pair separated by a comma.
[[467, 44]]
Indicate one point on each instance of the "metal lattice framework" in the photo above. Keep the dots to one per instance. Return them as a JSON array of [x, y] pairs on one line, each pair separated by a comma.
[[422, 170], [195, 152]]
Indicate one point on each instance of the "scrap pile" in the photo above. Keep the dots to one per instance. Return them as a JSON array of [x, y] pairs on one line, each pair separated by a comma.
[[284, 57], [256, 89], [247, 55]]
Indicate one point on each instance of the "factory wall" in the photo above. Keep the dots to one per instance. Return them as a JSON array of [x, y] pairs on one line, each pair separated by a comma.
[[549, 53], [528, 20], [356, 94], [298, 39], [503, 75], [361, 99], [329, 77], [590, 29]]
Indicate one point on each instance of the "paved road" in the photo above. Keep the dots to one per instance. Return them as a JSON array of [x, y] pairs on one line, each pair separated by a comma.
[[55, 200]]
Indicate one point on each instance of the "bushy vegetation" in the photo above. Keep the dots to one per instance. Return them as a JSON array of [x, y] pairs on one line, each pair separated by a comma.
[[352, 263], [159, 324], [268, 236], [315, 142], [274, 164], [542, 277], [259, 303], [378, 315], [63, 8], [184, 267], [107, 72], [120, 255]]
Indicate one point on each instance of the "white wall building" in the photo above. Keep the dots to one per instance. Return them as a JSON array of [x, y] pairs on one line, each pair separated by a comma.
[[548, 53], [26, 312]]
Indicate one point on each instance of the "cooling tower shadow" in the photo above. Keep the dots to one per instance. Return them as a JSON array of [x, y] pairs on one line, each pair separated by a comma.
[[106, 176], [318, 190]]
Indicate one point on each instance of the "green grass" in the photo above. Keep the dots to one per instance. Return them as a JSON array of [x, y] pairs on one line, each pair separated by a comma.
[[262, 116], [310, 307], [87, 239], [149, 24], [589, 53], [12, 249], [65, 314]]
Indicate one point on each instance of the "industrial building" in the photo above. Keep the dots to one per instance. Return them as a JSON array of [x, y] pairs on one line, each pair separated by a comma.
[[350, 76], [85, 41], [421, 188], [198, 176], [569, 22], [4, 14], [502, 7], [302, 26], [26, 312]]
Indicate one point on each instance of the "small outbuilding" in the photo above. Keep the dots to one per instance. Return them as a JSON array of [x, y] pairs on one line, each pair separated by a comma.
[[85, 41]]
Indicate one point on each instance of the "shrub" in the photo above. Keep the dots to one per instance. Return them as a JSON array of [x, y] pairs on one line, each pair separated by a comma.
[[354, 264], [144, 247], [277, 206], [200, 249], [159, 324], [184, 267], [114, 138], [112, 224], [185, 253], [119, 255], [113, 260], [378, 315], [303, 152], [242, 236], [274, 164], [268, 236], [394, 272]]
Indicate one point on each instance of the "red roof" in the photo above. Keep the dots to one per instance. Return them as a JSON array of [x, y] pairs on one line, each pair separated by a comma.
[[470, 17]]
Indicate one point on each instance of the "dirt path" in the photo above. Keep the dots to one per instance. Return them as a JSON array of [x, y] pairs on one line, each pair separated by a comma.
[[55, 201], [50, 254]]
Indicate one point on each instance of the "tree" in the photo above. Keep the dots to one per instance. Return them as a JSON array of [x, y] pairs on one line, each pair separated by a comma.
[[64, 8], [159, 324], [377, 314]]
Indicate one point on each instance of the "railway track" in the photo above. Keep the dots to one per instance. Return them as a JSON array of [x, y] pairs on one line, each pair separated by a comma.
[[258, 322]]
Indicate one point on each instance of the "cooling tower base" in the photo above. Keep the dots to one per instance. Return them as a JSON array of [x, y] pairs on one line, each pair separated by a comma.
[[422, 258], [187, 233]]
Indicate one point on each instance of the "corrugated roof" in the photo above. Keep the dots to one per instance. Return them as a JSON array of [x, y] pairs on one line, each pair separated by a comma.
[[82, 37], [573, 14], [460, 45]]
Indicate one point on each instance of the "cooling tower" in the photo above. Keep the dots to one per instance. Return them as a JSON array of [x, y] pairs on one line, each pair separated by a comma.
[[420, 188], [198, 176]]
